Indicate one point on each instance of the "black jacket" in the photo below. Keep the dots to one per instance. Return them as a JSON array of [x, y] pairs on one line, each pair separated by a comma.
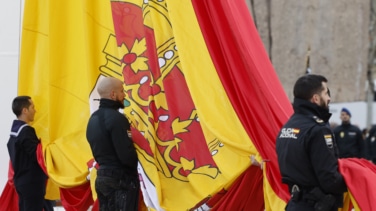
[[350, 141], [370, 144], [22, 147], [306, 149], [107, 133]]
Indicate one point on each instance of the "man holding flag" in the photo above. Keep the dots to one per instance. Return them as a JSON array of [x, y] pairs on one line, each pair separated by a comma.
[[117, 183], [307, 152], [29, 178]]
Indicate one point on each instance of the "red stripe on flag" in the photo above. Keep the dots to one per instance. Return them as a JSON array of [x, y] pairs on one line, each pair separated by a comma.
[[359, 175], [247, 76], [249, 186]]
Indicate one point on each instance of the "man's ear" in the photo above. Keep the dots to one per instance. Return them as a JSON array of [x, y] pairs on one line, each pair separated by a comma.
[[112, 95], [315, 98], [24, 110]]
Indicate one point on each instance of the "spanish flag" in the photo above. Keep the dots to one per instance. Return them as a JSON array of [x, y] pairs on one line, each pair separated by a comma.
[[359, 175], [205, 103], [61, 55], [204, 100]]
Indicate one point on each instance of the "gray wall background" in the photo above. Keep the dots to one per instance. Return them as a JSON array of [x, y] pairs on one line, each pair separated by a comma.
[[335, 31]]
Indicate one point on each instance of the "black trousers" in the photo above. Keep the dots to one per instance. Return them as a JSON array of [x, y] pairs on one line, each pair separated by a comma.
[[48, 205], [302, 205], [299, 206], [31, 196], [117, 191]]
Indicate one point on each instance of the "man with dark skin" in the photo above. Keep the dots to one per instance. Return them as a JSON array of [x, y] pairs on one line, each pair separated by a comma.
[[307, 152]]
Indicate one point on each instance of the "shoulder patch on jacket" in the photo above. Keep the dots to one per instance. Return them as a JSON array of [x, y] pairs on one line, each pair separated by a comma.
[[328, 140]]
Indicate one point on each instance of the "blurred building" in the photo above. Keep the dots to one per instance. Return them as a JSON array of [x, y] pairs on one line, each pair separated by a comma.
[[329, 37]]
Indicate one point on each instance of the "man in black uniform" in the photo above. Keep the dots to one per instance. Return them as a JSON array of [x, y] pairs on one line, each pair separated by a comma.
[[117, 183], [370, 145], [306, 149], [349, 138], [29, 178]]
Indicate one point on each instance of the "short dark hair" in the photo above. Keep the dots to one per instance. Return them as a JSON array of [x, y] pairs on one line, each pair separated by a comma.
[[308, 85], [20, 103]]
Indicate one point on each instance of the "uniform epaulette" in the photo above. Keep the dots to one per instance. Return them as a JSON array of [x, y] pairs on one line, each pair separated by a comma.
[[318, 120]]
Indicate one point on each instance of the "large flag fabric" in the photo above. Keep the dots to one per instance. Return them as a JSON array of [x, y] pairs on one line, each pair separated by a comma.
[[61, 54], [250, 83], [204, 98], [359, 175], [9, 198]]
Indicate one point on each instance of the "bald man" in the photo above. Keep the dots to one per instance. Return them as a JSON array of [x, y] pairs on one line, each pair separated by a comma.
[[117, 183]]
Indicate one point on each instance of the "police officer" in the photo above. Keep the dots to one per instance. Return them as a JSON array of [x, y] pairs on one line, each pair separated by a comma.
[[349, 138], [306, 149], [370, 145]]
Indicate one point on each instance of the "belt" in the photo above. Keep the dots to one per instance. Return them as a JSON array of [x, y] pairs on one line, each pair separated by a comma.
[[116, 174], [299, 194]]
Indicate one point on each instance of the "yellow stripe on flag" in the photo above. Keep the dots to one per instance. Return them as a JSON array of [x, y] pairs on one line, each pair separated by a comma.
[[271, 199], [216, 113], [61, 54], [217, 116]]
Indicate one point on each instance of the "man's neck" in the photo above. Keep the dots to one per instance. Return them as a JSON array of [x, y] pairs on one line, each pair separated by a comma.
[[346, 123], [23, 119]]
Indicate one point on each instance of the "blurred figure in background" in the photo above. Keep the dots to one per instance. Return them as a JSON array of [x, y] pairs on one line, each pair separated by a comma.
[[370, 144], [349, 138]]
